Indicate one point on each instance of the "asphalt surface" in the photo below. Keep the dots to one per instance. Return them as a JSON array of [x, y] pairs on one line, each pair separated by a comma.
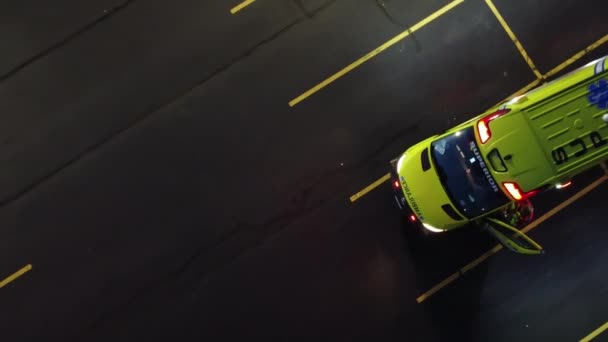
[[155, 177]]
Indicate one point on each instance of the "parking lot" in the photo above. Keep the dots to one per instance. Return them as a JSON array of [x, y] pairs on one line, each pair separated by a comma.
[[218, 171]]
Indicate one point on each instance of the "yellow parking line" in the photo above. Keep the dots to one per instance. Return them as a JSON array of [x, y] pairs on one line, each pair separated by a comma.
[[514, 39], [497, 248], [463, 270], [595, 333], [481, 259], [559, 68], [370, 187], [438, 287], [375, 52], [241, 6], [15, 275], [577, 56]]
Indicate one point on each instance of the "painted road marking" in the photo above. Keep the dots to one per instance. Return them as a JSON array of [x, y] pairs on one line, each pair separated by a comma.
[[595, 333], [534, 83], [370, 187], [375, 52], [438, 287], [577, 56], [15, 275], [558, 68], [241, 6], [497, 248], [457, 275], [481, 259], [513, 38]]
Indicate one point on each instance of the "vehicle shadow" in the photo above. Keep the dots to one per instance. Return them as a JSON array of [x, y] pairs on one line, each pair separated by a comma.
[[454, 309]]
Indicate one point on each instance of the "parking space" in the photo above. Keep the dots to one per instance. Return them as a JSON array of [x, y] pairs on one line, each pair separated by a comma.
[[388, 44], [218, 170], [549, 37]]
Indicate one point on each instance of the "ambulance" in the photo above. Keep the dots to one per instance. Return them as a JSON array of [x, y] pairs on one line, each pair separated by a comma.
[[534, 142]]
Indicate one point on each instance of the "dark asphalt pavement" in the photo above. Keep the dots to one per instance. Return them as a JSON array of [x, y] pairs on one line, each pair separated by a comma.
[[156, 178]]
